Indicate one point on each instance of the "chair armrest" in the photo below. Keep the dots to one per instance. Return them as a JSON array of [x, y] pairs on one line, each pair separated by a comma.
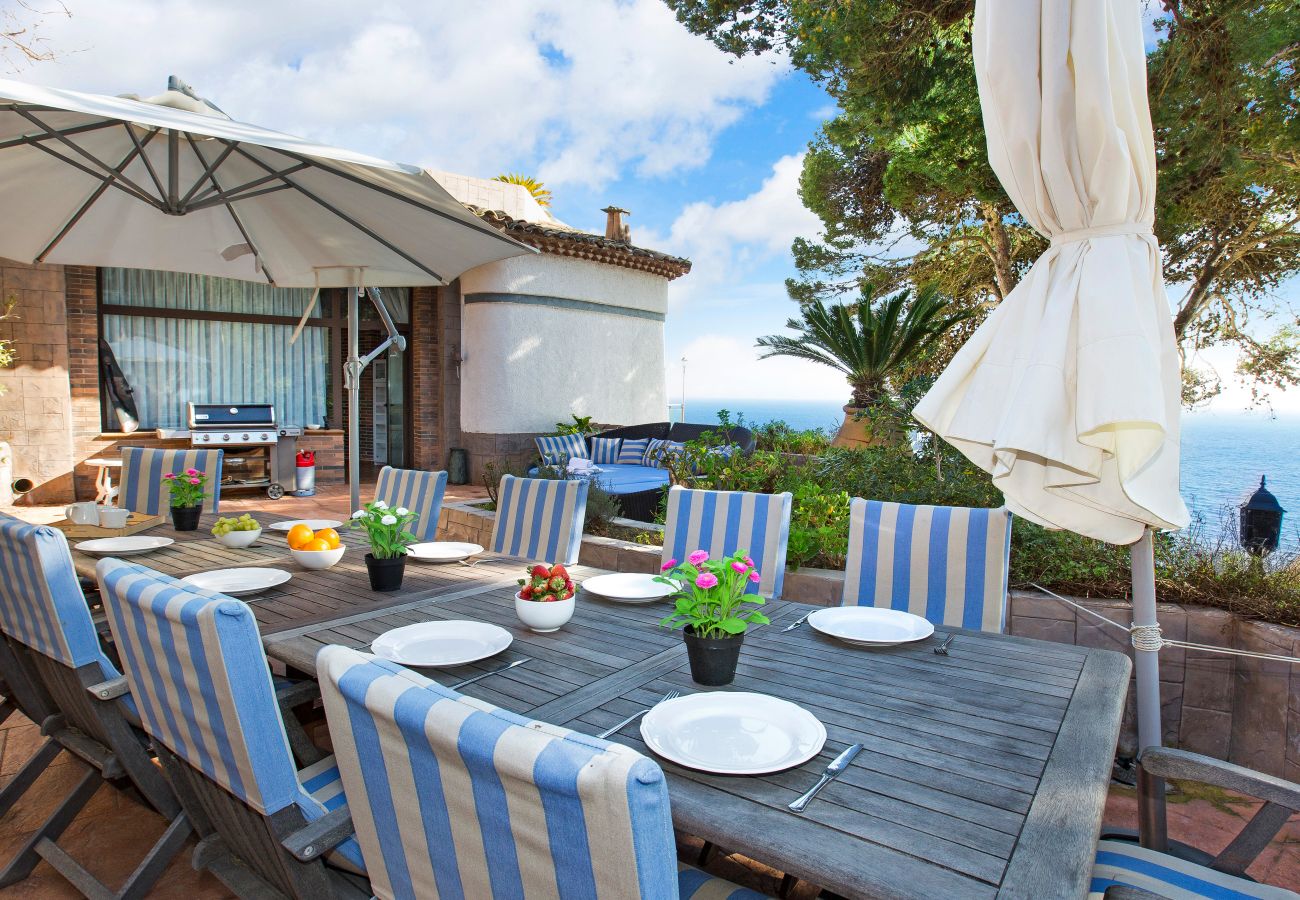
[[111, 689], [1168, 762], [291, 695], [1125, 892], [317, 838]]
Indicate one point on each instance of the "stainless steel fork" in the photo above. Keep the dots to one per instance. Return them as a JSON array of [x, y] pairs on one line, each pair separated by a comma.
[[671, 695]]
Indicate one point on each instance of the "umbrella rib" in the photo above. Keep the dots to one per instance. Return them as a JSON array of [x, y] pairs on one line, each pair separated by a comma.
[[81, 151], [94, 196], [106, 179], [212, 176], [144, 157], [210, 196], [28, 140], [397, 195], [226, 198], [208, 169], [344, 216]]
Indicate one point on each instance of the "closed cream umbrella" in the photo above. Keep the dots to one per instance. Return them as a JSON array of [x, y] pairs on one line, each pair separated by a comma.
[[1069, 393], [171, 182]]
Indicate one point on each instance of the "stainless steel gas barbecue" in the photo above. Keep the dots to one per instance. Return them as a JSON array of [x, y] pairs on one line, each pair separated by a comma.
[[258, 454]]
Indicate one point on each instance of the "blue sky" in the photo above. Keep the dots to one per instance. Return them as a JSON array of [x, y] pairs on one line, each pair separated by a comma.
[[608, 101]]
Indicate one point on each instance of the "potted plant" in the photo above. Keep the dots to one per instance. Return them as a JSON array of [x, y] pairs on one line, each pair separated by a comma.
[[713, 610], [545, 600], [187, 495], [387, 531]]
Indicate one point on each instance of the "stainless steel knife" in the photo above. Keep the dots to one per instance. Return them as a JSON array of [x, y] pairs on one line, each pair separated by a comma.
[[838, 765]]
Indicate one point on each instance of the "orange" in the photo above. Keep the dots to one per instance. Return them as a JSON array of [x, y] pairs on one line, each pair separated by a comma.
[[316, 544], [299, 535], [330, 536]]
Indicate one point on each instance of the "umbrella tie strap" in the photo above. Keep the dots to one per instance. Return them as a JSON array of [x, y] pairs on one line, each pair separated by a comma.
[[1140, 229], [1150, 639]]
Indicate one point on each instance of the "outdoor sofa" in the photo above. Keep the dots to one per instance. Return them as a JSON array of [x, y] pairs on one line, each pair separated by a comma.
[[629, 459]]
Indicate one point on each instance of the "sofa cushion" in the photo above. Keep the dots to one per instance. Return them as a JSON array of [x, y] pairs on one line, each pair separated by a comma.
[[630, 479], [604, 451], [560, 447], [648, 430], [632, 451]]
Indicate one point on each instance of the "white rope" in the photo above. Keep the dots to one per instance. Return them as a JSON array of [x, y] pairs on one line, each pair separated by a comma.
[[1150, 639]]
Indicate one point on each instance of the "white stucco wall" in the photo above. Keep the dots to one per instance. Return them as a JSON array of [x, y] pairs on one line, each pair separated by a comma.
[[527, 365]]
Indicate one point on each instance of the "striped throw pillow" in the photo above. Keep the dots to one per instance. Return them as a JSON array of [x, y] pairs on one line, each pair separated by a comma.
[[658, 450], [632, 451], [604, 451], [561, 447]]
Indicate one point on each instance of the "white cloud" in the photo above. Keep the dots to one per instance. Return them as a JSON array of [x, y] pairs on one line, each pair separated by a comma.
[[576, 92], [724, 366]]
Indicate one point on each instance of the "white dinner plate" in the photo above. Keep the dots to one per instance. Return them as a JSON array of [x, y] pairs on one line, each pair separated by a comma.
[[131, 545], [870, 626], [437, 644], [442, 551], [733, 733], [238, 582], [628, 587], [313, 524]]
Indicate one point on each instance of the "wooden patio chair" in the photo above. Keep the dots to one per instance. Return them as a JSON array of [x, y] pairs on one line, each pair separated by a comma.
[[539, 519], [195, 664], [56, 672], [143, 489], [420, 492], [1158, 869], [727, 522], [947, 564], [453, 797]]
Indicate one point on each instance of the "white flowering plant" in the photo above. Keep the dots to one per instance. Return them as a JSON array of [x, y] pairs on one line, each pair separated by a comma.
[[386, 528]]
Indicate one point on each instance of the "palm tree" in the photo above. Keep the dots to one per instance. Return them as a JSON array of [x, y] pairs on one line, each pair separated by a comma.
[[532, 185], [872, 342]]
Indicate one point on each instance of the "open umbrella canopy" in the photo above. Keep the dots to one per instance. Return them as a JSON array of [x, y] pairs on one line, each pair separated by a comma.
[[173, 183], [1069, 392]]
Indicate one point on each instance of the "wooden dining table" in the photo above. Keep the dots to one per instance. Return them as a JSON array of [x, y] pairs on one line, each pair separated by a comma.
[[984, 771]]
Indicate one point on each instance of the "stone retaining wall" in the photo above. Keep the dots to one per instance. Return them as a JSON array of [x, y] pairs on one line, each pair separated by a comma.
[[1230, 707]]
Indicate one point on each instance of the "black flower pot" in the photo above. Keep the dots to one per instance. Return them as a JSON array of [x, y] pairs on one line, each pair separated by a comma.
[[186, 518], [386, 574], [713, 660]]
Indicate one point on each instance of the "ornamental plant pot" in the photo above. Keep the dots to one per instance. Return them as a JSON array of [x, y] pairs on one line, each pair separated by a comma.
[[385, 574], [713, 660], [186, 518]]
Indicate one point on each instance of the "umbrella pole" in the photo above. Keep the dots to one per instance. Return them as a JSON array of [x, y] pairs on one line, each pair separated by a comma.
[[1146, 642], [352, 373]]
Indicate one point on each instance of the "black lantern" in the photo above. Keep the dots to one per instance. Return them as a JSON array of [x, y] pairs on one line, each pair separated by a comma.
[[1261, 522]]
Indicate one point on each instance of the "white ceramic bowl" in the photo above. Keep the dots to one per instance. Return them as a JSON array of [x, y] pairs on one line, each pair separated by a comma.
[[318, 559], [238, 540], [544, 617]]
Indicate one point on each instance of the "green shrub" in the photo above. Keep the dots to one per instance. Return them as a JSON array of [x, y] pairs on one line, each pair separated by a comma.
[[779, 437], [819, 527]]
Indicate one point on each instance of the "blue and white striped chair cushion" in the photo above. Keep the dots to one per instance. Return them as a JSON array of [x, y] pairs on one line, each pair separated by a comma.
[[41, 603], [727, 522], [948, 564], [604, 451], [539, 519], [632, 451], [557, 448], [195, 665], [420, 492], [692, 884], [143, 488], [1121, 862], [453, 797]]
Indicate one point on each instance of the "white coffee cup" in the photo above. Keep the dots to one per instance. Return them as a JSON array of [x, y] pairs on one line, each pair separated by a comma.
[[84, 513], [112, 517]]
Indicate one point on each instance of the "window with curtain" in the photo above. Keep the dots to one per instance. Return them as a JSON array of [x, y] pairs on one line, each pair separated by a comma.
[[180, 338]]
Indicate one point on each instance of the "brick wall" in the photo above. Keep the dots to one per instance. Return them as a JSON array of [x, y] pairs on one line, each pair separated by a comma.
[[36, 413], [83, 373], [427, 450]]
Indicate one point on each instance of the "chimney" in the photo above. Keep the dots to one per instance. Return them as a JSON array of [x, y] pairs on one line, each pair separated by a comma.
[[615, 230]]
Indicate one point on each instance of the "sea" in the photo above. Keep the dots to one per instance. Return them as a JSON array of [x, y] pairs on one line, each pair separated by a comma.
[[1224, 456]]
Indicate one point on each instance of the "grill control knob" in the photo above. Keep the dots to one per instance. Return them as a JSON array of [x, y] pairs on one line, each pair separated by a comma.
[[225, 437], [245, 437], [265, 436]]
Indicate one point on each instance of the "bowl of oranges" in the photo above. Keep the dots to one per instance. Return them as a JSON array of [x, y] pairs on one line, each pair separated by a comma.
[[315, 549]]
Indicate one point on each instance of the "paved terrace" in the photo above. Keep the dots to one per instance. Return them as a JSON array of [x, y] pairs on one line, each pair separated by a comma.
[[1206, 820]]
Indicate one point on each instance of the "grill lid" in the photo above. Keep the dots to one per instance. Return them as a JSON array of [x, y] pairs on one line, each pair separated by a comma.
[[224, 415]]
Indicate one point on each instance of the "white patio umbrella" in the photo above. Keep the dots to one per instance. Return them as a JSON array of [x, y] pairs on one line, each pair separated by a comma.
[[1068, 394], [172, 183]]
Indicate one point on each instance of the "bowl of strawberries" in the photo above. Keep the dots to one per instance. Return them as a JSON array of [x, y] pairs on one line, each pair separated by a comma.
[[545, 598]]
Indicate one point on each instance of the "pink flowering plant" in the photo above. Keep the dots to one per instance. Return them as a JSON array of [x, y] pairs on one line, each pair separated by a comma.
[[186, 487], [711, 599]]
